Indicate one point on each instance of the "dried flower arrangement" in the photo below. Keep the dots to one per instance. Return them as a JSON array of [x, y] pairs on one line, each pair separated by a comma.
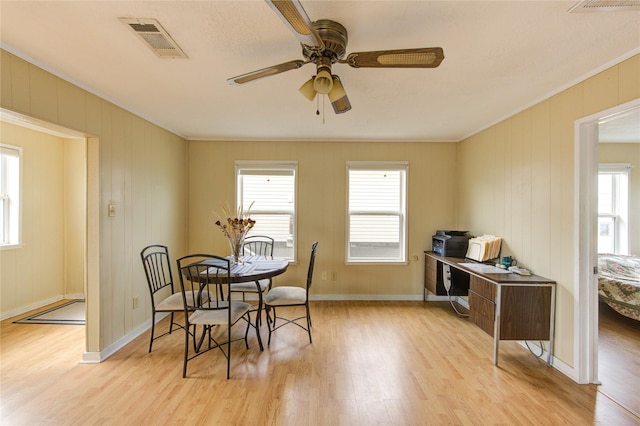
[[235, 228]]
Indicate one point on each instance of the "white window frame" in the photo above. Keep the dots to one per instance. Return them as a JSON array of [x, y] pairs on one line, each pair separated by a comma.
[[11, 199], [620, 204], [267, 167], [401, 213]]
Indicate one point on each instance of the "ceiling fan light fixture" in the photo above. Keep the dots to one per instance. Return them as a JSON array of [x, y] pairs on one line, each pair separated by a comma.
[[323, 83], [341, 106], [337, 90], [308, 90]]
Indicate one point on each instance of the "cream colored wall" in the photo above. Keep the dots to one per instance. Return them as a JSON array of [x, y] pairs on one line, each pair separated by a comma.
[[516, 180], [54, 203], [35, 272], [75, 207], [627, 153], [141, 170], [322, 206]]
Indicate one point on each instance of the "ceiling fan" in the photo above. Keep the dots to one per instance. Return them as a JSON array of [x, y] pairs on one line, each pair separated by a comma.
[[324, 43]]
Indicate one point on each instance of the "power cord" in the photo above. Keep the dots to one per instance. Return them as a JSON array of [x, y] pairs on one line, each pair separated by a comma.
[[531, 350], [460, 314], [447, 281]]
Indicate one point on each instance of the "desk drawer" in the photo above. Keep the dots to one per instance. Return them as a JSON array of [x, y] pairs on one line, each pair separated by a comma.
[[483, 287], [482, 312]]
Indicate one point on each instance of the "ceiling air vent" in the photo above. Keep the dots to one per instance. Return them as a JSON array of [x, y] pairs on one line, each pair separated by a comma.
[[155, 37], [606, 6]]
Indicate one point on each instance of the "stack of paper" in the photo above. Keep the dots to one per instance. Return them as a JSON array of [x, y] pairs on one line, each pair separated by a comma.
[[484, 247], [484, 268]]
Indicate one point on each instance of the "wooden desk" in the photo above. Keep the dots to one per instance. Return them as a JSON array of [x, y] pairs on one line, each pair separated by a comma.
[[506, 306]]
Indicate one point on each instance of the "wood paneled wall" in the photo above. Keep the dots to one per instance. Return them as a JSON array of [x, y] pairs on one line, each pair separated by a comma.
[[516, 180], [141, 169]]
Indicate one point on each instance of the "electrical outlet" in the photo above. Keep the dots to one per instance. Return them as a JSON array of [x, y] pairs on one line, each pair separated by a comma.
[[414, 258], [135, 302], [334, 276], [324, 276]]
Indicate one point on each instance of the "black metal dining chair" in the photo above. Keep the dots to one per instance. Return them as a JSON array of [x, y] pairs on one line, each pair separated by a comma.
[[210, 314], [256, 245], [164, 298], [291, 296]]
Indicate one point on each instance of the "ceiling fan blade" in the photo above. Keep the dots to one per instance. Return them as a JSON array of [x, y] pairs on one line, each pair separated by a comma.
[[294, 16], [266, 72], [426, 57]]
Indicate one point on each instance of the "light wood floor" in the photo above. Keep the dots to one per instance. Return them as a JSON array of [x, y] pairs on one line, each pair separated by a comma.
[[371, 363], [619, 358]]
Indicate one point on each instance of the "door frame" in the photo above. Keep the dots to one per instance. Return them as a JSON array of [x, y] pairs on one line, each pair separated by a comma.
[[92, 223], [586, 240]]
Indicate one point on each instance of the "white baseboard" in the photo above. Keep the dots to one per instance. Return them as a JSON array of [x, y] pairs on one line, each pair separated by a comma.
[[35, 305], [372, 297], [30, 307], [75, 296], [556, 363], [378, 297], [458, 299], [98, 357], [394, 297]]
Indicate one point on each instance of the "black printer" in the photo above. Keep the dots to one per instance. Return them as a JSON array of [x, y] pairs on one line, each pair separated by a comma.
[[451, 243]]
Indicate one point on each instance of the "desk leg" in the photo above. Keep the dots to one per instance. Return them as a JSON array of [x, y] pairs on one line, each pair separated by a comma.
[[496, 326], [552, 322]]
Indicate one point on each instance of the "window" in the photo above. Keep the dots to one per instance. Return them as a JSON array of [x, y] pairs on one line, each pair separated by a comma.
[[377, 210], [613, 208], [10, 157], [271, 187]]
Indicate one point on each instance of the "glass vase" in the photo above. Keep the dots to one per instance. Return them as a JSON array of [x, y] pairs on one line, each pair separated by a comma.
[[235, 244]]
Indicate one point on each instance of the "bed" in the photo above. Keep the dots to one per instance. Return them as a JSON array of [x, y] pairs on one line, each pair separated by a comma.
[[619, 283]]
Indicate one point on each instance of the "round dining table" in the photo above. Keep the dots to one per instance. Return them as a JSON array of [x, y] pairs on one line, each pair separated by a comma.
[[254, 269]]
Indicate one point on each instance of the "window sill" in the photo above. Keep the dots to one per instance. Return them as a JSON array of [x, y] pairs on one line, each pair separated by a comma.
[[10, 246], [377, 262]]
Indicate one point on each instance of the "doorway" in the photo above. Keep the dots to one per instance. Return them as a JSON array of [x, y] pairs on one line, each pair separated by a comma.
[[586, 165], [79, 218]]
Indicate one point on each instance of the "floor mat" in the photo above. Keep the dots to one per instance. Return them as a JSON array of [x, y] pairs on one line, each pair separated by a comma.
[[72, 313]]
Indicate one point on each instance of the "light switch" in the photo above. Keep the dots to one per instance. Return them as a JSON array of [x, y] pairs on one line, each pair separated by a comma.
[[112, 210]]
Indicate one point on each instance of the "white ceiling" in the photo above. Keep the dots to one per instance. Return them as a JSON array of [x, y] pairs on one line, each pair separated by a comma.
[[500, 57], [621, 128]]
